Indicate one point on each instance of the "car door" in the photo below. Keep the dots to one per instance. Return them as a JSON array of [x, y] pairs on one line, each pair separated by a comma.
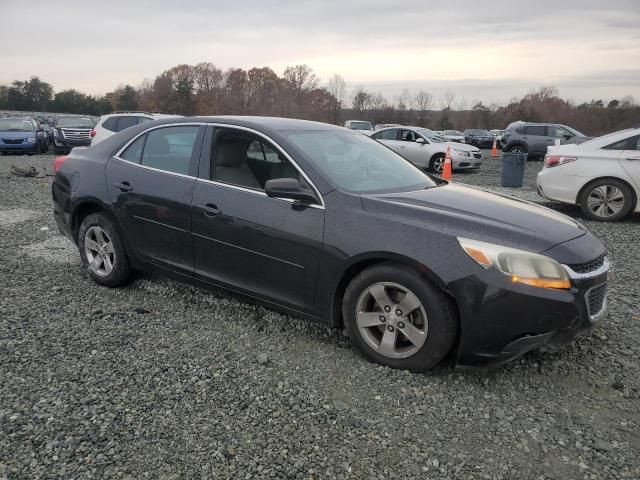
[[388, 137], [245, 240], [150, 185], [630, 160], [415, 152]]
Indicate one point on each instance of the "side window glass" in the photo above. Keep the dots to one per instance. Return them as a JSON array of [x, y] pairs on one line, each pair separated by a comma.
[[126, 122], [110, 124], [170, 148], [535, 130], [144, 119], [557, 132], [635, 144], [245, 160], [627, 143], [408, 136], [386, 134], [134, 151]]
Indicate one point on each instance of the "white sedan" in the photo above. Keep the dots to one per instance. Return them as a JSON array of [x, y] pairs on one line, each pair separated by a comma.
[[426, 149], [601, 175]]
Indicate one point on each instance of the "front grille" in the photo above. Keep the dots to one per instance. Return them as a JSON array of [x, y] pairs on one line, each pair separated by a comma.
[[76, 133], [595, 298], [589, 266], [477, 154], [13, 141]]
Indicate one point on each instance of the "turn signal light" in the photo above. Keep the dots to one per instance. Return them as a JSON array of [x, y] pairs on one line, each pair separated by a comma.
[[555, 160], [563, 284]]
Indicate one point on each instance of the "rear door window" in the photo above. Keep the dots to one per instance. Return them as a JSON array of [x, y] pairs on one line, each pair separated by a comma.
[[537, 130], [111, 124], [170, 148], [134, 151], [626, 144], [387, 134]]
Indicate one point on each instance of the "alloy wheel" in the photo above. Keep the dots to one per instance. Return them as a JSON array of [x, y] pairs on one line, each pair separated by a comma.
[[392, 320], [438, 164], [99, 251], [605, 201]]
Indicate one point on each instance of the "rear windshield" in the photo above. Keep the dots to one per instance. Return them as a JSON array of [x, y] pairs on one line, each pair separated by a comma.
[[9, 125], [74, 122], [478, 132], [360, 126]]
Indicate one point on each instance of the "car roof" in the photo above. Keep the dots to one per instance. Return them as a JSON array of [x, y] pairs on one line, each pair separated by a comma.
[[258, 123]]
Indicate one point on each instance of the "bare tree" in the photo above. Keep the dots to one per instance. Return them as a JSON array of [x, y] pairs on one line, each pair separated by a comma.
[[360, 99], [337, 88], [423, 102], [447, 100]]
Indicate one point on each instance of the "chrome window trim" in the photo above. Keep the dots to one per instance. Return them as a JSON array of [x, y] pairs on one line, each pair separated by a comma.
[[606, 266], [154, 169], [224, 125]]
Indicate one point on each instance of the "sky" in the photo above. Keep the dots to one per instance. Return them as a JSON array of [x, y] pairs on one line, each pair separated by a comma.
[[480, 50]]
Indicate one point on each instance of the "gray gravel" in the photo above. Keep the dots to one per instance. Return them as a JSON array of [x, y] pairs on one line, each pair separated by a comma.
[[163, 380]]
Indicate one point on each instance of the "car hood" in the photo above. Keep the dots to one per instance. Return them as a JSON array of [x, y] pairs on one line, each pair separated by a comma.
[[474, 213], [14, 134]]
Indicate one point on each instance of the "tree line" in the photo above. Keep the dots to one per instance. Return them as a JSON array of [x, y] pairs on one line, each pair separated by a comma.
[[205, 89]]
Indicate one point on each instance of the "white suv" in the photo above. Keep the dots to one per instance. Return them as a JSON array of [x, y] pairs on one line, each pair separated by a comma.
[[116, 122]]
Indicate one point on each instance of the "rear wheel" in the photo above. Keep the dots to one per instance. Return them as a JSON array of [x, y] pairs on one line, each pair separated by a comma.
[[102, 251], [397, 318], [437, 163], [606, 200]]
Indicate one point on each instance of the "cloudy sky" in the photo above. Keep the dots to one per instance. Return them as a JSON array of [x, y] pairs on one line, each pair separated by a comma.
[[480, 50]]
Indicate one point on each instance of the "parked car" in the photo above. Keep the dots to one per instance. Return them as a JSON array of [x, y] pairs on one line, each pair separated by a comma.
[[425, 149], [380, 126], [453, 136], [21, 136], [116, 122], [497, 136], [358, 125], [601, 175], [48, 131], [322, 222], [71, 131], [478, 138], [534, 138]]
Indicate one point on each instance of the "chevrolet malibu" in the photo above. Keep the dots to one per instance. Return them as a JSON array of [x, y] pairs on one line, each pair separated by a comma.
[[326, 223]]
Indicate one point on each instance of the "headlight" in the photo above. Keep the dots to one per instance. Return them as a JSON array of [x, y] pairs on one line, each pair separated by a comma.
[[462, 152], [31, 140], [523, 267]]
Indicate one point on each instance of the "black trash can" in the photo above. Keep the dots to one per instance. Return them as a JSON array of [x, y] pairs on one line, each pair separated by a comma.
[[513, 169]]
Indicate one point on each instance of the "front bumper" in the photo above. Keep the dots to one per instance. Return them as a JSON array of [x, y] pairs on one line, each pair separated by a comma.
[[23, 147], [476, 142], [500, 320], [460, 162], [63, 142]]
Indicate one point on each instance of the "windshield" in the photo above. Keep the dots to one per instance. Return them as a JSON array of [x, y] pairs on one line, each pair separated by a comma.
[[430, 135], [9, 125], [357, 163], [452, 132], [74, 122], [574, 131], [360, 126]]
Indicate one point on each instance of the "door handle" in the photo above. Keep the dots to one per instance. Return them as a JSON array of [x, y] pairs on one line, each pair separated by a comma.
[[633, 158], [123, 186], [210, 210]]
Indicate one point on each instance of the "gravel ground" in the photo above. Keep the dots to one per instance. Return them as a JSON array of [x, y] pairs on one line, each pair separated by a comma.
[[163, 380]]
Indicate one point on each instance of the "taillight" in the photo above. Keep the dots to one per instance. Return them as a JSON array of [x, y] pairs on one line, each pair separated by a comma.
[[57, 163], [555, 160], [93, 133]]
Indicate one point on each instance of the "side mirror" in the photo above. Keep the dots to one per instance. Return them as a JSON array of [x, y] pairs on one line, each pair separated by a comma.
[[289, 188], [567, 136], [420, 140]]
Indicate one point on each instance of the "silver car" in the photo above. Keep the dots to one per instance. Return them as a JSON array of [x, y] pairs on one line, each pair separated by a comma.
[[426, 149]]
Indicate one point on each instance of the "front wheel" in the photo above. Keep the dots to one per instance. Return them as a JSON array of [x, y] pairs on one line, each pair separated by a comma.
[[102, 251], [437, 163], [606, 200], [397, 318]]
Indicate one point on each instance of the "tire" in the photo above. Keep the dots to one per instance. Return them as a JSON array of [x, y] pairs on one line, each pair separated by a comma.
[[436, 163], [107, 262], [517, 148], [606, 200], [429, 318], [38, 148]]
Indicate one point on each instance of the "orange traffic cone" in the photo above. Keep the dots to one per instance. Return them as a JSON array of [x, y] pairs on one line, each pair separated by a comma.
[[494, 150], [447, 172]]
